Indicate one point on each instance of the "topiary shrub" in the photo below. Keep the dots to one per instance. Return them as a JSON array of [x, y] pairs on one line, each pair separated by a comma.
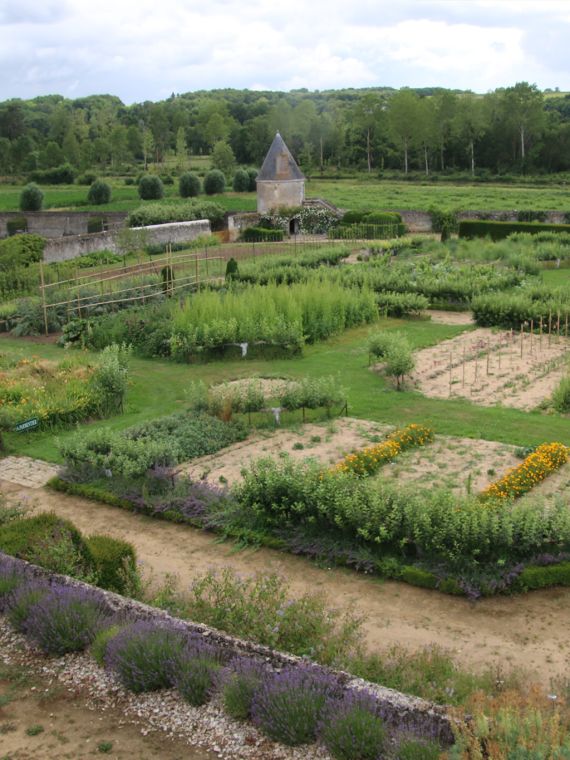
[[232, 270], [241, 181], [189, 185], [99, 193], [115, 562], [354, 217], [150, 188], [252, 174], [214, 182], [261, 235], [48, 541], [31, 198]]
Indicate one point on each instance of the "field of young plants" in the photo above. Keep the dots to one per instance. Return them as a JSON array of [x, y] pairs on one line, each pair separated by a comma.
[[308, 402]]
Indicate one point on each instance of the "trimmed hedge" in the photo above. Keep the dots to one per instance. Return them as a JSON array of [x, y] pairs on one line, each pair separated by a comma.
[[58, 175], [34, 537], [534, 576], [114, 559], [261, 235], [501, 230]]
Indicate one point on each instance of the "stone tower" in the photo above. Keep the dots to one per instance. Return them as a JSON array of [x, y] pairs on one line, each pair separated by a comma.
[[280, 182]]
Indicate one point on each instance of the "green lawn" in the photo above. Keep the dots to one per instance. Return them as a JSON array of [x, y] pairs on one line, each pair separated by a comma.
[[158, 388], [556, 277], [351, 193], [385, 194], [124, 198]]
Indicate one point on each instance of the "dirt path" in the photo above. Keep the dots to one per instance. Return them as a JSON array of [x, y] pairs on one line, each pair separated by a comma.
[[41, 719], [528, 631]]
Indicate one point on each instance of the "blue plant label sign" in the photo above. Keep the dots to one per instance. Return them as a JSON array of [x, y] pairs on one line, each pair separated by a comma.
[[27, 425]]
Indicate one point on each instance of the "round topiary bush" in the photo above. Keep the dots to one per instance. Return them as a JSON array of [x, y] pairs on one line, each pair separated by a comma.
[[189, 185], [31, 198], [214, 182], [99, 192], [252, 174], [241, 181], [151, 188]]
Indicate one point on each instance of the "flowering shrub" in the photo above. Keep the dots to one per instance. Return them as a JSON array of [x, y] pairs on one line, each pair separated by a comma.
[[239, 682], [65, 620], [194, 672], [289, 705], [142, 653], [21, 601], [546, 458], [352, 729], [367, 461]]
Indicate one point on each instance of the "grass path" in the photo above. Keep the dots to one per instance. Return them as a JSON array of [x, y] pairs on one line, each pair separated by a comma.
[[527, 631], [158, 388]]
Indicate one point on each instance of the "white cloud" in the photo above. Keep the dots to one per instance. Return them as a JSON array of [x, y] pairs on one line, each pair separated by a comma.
[[146, 50]]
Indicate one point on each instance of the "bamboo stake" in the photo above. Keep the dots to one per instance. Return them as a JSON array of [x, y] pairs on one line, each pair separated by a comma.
[[463, 371], [450, 371], [531, 332], [522, 335], [549, 327], [488, 353], [540, 335], [42, 287]]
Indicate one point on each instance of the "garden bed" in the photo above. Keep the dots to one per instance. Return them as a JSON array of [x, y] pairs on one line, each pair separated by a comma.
[[489, 368]]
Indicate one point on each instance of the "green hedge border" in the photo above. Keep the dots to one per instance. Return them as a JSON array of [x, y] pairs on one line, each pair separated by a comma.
[[500, 230], [532, 578]]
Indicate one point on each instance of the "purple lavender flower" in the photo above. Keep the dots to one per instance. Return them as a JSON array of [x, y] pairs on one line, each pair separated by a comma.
[[239, 682], [288, 705], [143, 653], [352, 728], [66, 619]]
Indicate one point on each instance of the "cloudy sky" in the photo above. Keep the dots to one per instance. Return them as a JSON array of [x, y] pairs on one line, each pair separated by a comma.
[[146, 49]]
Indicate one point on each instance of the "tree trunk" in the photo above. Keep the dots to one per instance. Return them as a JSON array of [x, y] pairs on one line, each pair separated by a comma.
[[522, 142], [441, 156], [472, 158], [426, 160], [368, 150], [405, 156], [322, 161]]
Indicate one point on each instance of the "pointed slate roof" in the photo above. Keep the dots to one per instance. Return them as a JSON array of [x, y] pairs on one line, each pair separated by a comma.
[[279, 164]]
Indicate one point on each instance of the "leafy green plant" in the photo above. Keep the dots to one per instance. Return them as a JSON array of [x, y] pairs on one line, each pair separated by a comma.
[[189, 185], [31, 198], [150, 188], [99, 193], [214, 182]]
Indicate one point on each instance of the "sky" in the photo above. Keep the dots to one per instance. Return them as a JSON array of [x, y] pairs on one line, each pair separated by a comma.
[[145, 50]]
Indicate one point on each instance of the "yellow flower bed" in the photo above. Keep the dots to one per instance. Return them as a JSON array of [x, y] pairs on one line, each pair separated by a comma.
[[547, 458], [368, 460]]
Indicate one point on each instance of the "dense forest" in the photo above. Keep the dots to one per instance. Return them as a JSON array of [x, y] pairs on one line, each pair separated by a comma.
[[517, 129]]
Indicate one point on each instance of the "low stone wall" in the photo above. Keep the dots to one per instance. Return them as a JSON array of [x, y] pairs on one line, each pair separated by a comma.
[[403, 712], [71, 247], [238, 222], [56, 224]]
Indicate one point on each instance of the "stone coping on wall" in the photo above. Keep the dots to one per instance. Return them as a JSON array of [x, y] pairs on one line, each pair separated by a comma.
[[403, 712]]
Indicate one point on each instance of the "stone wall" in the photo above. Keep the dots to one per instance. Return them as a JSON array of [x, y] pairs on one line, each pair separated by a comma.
[[56, 224], [239, 222], [71, 247], [403, 712], [274, 194]]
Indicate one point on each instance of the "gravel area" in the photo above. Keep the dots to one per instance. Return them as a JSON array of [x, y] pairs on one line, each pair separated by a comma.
[[207, 727]]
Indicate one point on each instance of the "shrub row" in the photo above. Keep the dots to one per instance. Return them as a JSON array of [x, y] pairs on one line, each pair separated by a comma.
[[513, 310], [261, 235], [165, 211], [546, 459]]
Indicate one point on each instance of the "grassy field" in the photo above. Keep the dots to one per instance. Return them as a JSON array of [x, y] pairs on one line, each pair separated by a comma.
[[158, 388], [378, 194], [349, 194], [124, 198]]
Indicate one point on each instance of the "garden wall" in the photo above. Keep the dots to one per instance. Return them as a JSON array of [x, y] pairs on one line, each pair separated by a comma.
[[71, 247], [420, 221], [403, 712], [56, 224]]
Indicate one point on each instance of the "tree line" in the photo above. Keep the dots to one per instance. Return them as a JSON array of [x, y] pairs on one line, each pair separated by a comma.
[[516, 129]]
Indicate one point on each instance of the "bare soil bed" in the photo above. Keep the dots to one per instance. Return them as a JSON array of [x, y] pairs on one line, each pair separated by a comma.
[[526, 631], [327, 443], [491, 368], [462, 465]]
